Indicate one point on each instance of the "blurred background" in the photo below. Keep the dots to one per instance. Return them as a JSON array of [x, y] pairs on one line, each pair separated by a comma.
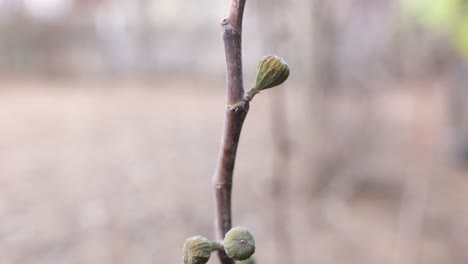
[[111, 114]]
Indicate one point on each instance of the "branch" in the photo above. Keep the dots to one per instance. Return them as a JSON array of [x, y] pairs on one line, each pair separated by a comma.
[[235, 116], [232, 37]]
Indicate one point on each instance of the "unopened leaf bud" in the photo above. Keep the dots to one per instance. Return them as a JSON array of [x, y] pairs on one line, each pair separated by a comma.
[[271, 71]]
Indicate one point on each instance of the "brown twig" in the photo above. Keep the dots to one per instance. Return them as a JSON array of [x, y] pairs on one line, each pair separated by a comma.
[[235, 116]]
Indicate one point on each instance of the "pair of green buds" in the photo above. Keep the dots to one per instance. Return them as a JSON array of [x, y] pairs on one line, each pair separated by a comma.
[[238, 244]]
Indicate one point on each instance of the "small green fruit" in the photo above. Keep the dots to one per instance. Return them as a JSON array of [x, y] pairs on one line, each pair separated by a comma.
[[271, 71], [197, 250], [239, 244]]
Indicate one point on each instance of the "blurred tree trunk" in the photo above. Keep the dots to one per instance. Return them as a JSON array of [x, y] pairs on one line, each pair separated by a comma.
[[458, 96], [275, 38], [324, 34], [351, 51]]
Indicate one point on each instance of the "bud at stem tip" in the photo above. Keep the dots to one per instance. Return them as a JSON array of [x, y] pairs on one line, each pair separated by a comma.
[[271, 71]]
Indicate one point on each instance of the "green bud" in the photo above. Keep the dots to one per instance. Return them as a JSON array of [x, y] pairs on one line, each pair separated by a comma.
[[271, 71], [250, 260], [197, 250], [239, 244]]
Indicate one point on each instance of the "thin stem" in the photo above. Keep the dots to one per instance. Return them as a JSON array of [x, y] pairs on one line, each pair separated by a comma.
[[222, 179], [216, 246], [232, 37], [243, 104]]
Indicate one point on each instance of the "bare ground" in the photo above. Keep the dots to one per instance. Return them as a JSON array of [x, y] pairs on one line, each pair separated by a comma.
[[119, 172]]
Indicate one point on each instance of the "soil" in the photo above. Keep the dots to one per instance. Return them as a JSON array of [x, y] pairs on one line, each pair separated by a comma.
[[120, 172]]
